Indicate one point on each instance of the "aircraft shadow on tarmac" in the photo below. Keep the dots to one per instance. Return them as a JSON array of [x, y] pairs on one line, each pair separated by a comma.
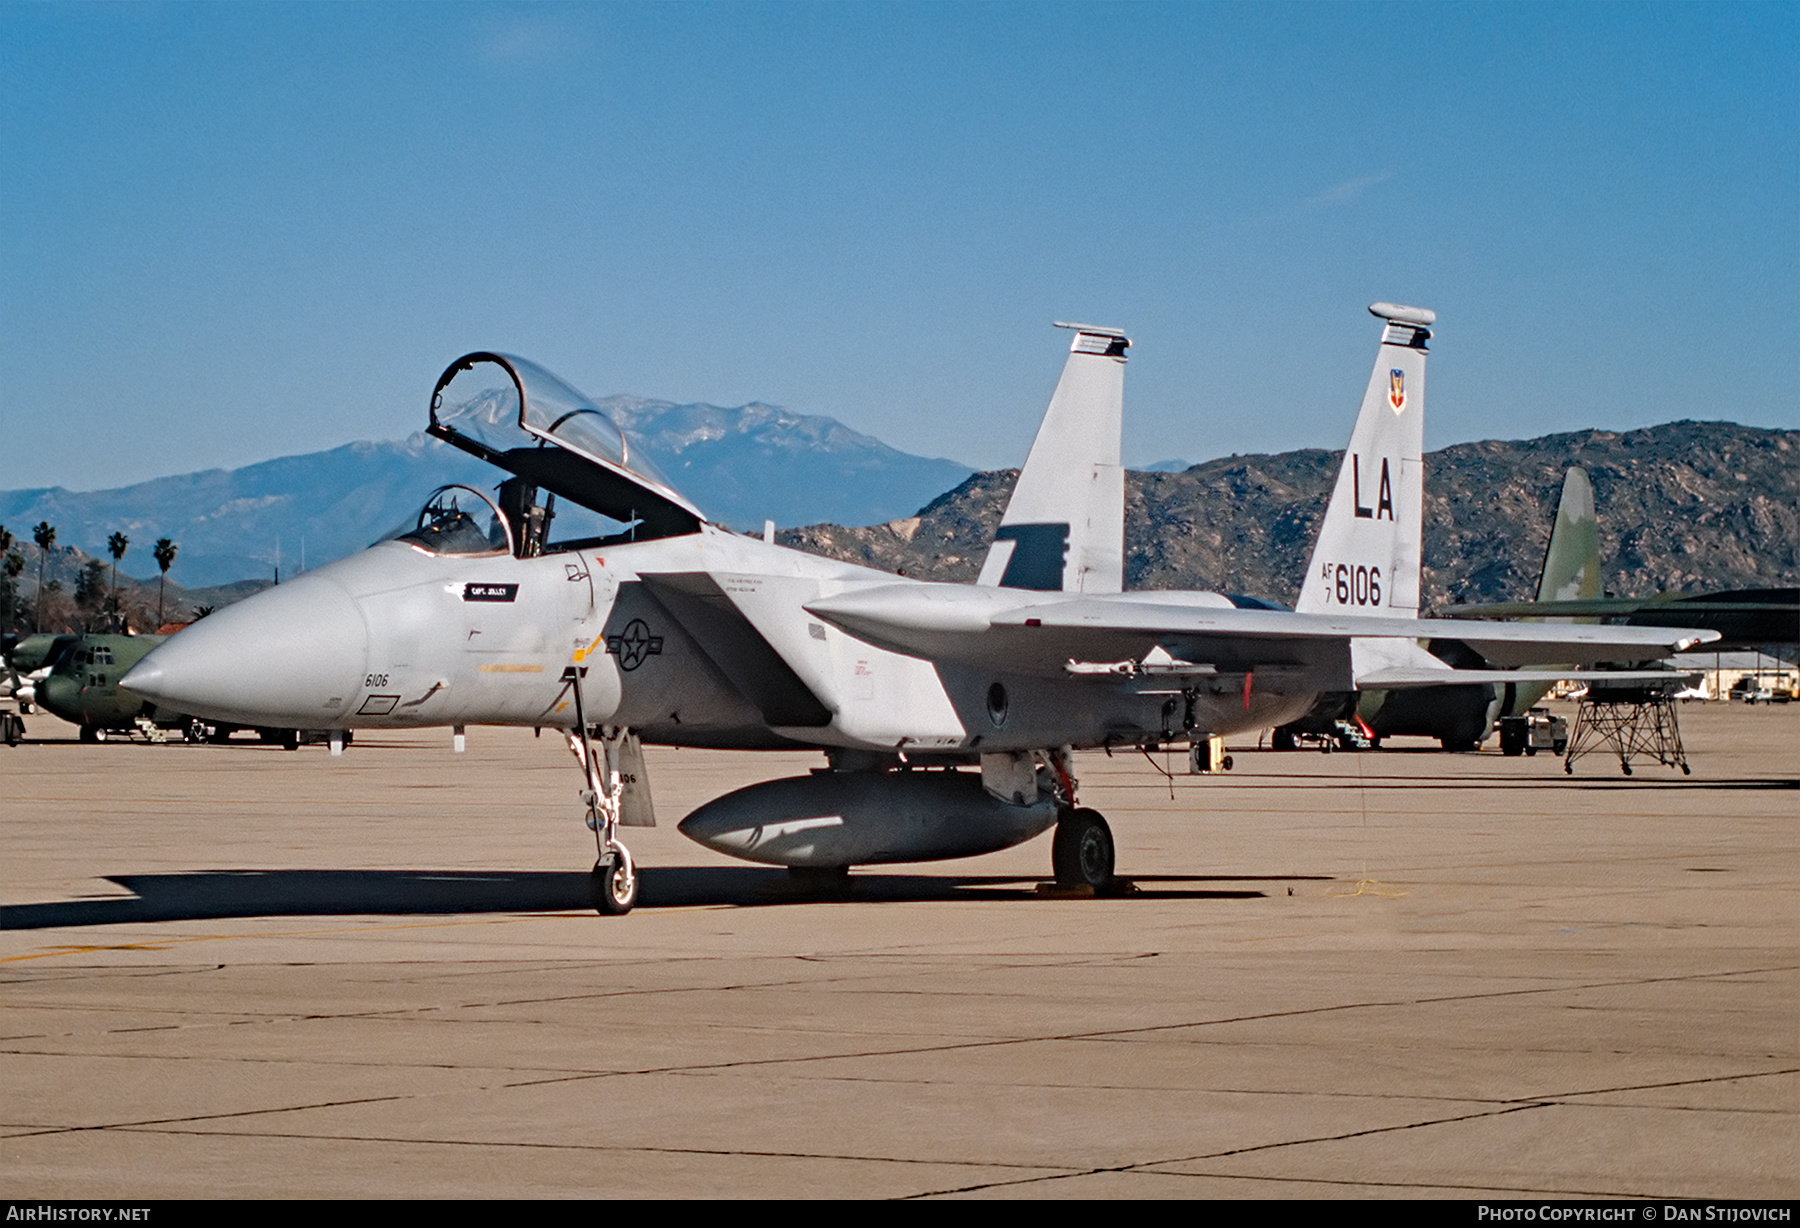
[[212, 894]]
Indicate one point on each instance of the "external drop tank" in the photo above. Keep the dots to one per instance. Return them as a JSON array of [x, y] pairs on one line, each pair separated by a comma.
[[834, 819]]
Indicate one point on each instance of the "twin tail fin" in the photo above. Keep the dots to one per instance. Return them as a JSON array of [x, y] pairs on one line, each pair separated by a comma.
[[1366, 560], [1064, 527]]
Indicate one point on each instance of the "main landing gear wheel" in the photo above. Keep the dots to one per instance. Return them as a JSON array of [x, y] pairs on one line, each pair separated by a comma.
[[1081, 852], [614, 885]]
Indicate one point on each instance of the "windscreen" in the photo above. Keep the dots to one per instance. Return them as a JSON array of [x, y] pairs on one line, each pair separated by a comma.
[[458, 520]]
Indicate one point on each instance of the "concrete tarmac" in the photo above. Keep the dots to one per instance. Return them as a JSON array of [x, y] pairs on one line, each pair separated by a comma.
[[240, 971]]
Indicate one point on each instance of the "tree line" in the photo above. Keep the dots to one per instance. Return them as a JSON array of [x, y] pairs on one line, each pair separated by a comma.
[[96, 603]]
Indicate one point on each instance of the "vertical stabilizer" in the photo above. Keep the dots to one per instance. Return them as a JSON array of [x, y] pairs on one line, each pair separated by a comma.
[[1367, 557], [1064, 527], [1571, 569]]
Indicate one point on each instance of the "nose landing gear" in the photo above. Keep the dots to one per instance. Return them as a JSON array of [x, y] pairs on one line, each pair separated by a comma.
[[613, 885]]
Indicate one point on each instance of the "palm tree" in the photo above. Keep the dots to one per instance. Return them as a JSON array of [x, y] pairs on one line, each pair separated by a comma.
[[164, 552], [45, 537], [15, 563], [6, 545], [115, 546]]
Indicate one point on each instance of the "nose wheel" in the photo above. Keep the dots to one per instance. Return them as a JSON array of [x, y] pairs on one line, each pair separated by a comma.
[[1081, 852], [614, 884]]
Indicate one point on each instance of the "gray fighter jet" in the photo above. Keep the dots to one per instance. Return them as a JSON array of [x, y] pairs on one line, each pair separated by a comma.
[[947, 713]]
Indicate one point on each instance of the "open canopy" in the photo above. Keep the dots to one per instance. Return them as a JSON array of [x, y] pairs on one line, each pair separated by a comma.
[[512, 413]]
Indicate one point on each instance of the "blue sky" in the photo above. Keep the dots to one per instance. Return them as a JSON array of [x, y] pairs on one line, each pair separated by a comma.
[[229, 232]]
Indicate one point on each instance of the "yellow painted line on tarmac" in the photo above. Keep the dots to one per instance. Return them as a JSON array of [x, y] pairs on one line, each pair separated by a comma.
[[1273, 938], [1369, 886], [164, 944]]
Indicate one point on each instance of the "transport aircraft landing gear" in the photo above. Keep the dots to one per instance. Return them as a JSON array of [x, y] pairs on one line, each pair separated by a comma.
[[613, 885], [1081, 852]]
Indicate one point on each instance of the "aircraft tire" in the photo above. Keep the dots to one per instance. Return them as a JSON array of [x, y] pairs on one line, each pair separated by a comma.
[[1081, 852], [15, 728], [1282, 739], [615, 888]]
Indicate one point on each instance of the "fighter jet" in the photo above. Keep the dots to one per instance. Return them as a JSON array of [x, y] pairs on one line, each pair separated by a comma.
[[947, 713]]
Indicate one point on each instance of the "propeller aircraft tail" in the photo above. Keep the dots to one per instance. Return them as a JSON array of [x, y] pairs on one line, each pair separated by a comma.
[[1571, 570]]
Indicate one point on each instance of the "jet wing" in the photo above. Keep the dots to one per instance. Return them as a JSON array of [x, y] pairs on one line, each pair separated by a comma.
[[1743, 617], [1399, 679], [1024, 632]]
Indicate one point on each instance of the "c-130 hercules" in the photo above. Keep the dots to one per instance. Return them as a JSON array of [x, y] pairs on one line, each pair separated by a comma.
[[948, 713]]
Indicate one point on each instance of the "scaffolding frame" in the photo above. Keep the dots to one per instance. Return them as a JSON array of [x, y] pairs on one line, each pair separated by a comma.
[[1632, 721]]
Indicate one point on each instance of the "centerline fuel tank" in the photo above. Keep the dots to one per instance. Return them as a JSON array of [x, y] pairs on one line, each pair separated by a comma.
[[832, 819]]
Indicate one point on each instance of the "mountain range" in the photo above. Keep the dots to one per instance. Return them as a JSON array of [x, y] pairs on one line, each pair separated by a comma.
[[741, 466], [1685, 505]]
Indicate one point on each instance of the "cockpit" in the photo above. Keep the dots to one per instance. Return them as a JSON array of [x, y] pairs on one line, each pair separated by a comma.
[[459, 520], [514, 414]]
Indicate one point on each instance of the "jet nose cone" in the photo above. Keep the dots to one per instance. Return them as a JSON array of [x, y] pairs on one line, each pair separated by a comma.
[[146, 678], [290, 656]]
